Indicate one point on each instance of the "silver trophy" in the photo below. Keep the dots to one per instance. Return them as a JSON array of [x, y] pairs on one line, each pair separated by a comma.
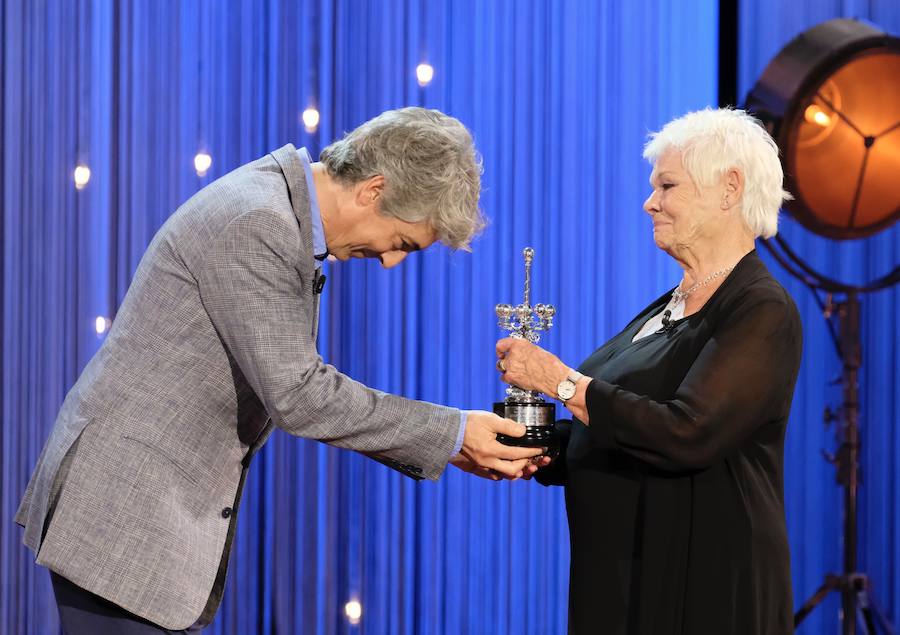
[[527, 406]]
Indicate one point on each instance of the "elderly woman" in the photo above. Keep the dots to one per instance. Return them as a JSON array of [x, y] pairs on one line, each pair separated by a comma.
[[673, 465]]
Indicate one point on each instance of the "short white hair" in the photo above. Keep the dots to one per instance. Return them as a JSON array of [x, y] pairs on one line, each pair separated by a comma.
[[713, 141]]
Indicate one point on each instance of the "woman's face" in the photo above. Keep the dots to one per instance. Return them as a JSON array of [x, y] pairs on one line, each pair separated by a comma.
[[683, 213]]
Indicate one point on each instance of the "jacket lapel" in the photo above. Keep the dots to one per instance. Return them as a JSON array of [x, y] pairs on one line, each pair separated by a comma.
[[290, 165]]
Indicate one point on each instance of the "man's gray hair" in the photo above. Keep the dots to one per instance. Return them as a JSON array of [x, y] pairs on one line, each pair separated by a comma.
[[430, 168], [712, 142]]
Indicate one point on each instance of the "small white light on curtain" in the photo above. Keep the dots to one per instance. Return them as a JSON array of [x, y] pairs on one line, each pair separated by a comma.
[[424, 73], [310, 119], [202, 162], [82, 175], [353, 610], [102, 324]]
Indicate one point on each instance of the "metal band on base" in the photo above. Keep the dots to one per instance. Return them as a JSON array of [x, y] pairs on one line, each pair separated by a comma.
[[539, 420]]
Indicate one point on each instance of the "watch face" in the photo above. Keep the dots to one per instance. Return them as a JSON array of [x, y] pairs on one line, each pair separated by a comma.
[[565, 390]]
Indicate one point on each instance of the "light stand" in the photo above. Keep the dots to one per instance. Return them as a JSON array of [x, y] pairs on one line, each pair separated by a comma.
[[831, 101], [853, 585]]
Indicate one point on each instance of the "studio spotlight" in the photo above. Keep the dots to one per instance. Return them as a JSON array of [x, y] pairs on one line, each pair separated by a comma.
[[831, 101]]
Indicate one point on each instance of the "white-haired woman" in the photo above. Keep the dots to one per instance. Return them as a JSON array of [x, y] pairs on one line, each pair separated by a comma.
[[673, 465]]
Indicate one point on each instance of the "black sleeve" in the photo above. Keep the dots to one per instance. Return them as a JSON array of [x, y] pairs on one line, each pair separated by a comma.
[[743, 377], [555, 473]]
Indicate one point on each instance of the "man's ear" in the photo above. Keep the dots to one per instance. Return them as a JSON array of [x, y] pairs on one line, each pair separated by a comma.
[[369, 191]]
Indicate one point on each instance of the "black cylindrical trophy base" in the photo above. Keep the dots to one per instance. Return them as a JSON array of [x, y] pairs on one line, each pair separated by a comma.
[[539, 420]]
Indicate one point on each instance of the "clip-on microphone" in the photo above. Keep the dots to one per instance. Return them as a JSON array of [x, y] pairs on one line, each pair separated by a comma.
[[668, 325]]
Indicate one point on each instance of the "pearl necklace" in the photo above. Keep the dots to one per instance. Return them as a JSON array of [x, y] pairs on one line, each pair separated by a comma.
[[680, 296]]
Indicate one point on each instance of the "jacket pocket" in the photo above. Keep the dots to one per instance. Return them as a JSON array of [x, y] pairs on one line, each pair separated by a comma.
[[187, 474]]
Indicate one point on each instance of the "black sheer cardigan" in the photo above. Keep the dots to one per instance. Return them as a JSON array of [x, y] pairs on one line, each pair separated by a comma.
[[674, 492]]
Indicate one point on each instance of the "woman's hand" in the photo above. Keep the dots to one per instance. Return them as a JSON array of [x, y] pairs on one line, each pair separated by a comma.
[[529, 367], [466, 465]]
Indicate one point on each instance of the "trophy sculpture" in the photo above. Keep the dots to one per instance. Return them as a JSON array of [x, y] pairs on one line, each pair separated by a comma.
[[527, 406]]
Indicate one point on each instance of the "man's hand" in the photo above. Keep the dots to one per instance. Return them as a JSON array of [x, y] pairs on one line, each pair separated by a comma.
[[483, 455]]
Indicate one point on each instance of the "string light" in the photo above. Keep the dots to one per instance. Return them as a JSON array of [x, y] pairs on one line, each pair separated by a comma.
[[82, 175], [353, 610], [310, 119], [202, 163], [102, 324], [424, 73]]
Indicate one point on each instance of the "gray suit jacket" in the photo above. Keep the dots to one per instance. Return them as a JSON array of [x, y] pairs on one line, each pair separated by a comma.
[[144, 467]]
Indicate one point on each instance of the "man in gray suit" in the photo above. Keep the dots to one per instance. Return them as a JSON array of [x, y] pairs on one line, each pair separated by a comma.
[[132, 505]]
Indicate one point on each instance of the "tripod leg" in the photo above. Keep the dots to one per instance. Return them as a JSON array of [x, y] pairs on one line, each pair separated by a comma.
[[865, 611], [831, 583], [874, 608]]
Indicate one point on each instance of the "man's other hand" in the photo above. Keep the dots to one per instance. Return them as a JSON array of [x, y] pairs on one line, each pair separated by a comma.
[[483, 455]]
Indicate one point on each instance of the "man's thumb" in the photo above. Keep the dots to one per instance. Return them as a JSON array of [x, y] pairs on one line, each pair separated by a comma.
[[511, 428]]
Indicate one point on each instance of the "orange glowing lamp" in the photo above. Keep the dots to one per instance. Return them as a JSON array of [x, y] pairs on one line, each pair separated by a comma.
[[831, 100]]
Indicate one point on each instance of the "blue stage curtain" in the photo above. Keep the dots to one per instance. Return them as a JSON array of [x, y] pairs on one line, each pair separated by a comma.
[[560, 97], [813, 500]]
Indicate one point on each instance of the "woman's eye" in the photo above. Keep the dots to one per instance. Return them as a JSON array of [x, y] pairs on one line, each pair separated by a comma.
[[667, 186]]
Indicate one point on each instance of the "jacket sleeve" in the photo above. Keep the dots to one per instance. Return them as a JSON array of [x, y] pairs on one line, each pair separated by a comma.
[[742, 378], [261, 306]]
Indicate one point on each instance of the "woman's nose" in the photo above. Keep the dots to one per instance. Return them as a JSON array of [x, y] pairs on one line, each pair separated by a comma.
[[651, 205]]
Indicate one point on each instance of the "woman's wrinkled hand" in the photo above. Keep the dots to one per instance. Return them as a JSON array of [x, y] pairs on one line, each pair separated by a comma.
[[528, 366]]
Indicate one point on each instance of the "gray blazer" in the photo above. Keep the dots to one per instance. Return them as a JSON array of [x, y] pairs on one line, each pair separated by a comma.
[[134, 496]]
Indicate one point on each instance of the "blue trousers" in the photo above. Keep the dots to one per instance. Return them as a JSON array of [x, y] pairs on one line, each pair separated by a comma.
[[83, 613]]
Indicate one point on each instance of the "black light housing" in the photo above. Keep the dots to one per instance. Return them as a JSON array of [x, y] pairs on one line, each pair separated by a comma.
[[831, 100]]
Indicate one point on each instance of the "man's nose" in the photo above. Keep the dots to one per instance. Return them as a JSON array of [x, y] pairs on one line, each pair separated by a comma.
[[391, 259]]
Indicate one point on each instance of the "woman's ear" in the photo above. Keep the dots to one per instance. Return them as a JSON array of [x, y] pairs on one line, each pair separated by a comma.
[[734, 187]]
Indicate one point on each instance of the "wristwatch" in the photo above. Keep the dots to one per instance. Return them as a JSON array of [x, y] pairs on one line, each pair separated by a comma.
[[566, 388]]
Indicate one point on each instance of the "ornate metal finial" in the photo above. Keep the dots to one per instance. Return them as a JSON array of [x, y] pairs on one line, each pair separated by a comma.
[[523, 320], [528, 252]]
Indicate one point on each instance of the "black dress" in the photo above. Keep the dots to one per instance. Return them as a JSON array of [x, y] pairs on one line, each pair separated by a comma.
[[674, 492]]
